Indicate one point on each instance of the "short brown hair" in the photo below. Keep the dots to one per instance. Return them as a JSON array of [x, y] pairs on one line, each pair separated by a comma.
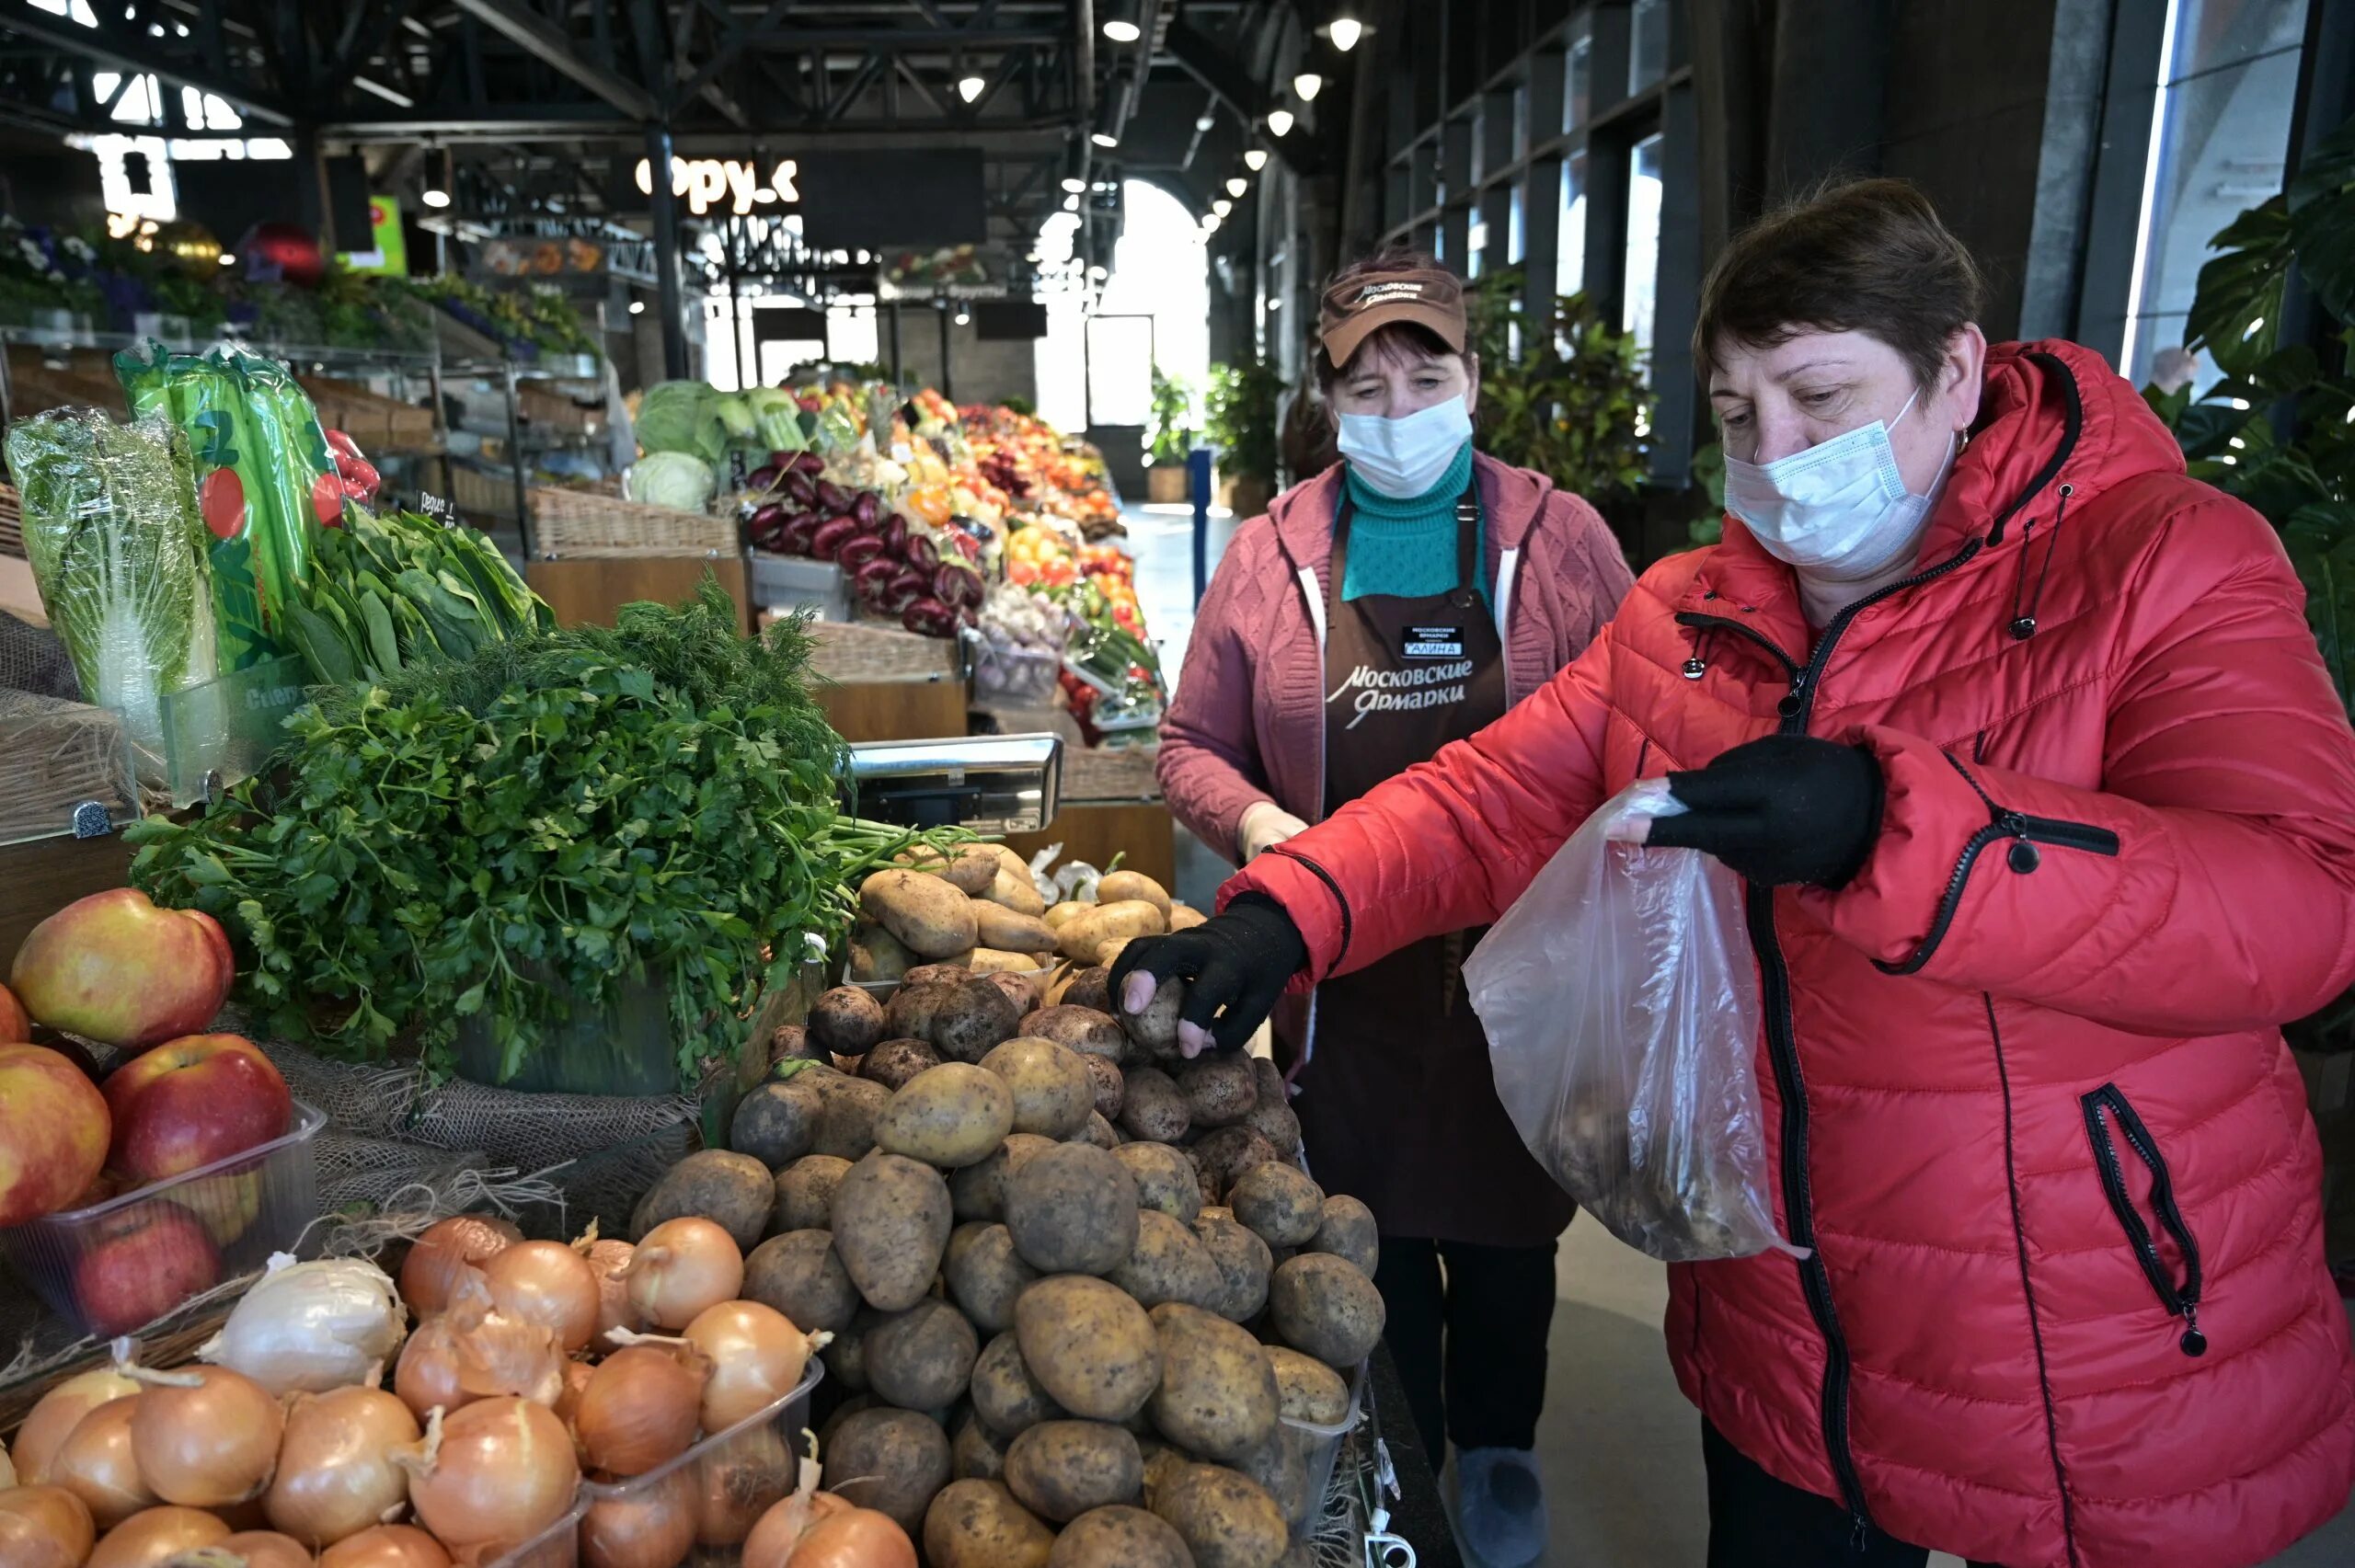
[[1869, 256], [1394, 336]]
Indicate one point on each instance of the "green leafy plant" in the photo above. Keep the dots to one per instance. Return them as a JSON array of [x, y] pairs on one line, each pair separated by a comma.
[[1709, 478], [1173, 419], [1562, 390], [1240, 416], [2279, 430], [523, 832]]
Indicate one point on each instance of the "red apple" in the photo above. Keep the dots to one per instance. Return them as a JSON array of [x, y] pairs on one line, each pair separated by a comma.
[[115, 968], [192, 1101], [53, 1128], [14, 1023], [226, 1204], [140, 1264]]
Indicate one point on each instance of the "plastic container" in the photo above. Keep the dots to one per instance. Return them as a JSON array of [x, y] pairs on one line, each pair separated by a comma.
[[1321, 1447], [93, 1264], [1015, 677]]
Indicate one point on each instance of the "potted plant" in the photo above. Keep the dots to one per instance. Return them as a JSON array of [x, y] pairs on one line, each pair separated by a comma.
[[1240, 418], [1172, 437], [1570, 401]]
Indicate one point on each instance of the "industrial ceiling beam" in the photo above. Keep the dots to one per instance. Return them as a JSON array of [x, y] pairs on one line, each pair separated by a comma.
[[110, 46], [547, 41]]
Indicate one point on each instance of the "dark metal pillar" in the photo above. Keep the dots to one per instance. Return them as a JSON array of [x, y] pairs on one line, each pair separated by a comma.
[[666, 253], [945, 391]]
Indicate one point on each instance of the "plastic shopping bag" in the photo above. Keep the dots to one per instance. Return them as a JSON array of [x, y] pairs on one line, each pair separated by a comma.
[[1620, 1002]]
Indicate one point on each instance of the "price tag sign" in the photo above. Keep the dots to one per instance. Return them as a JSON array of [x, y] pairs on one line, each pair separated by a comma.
[[440, 510], [736, 470]]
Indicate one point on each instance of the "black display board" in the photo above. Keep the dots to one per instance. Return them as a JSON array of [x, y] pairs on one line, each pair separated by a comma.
[[883, 201], [1008, 321]]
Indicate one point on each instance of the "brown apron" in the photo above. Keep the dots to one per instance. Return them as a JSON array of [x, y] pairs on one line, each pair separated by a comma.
[[1397, 1103]]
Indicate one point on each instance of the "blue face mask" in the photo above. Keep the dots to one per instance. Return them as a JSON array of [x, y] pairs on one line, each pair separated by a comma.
[[1405, 457], [1839, 508]]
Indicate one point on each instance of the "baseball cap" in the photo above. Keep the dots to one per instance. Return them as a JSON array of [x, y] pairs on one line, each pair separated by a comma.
[[1430, 297]]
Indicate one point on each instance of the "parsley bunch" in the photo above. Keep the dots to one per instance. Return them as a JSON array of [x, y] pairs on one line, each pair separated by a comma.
[[586, 807]]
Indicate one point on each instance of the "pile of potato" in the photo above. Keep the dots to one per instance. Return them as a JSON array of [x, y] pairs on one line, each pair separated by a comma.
[[982, 911], [1078, 1288]]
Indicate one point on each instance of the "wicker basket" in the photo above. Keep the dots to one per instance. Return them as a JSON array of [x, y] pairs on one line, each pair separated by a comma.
[[12, 522], [849, 652], [579, 524]]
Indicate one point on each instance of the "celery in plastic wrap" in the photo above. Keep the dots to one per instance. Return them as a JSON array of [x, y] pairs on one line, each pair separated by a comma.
[[264, 477], [111, 532]]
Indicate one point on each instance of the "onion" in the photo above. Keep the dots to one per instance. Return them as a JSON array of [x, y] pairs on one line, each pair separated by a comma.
[[855, 1537], [550, 1284], [641, 1408], [681, 1267], [567, 1404], [777, 1531], [435, 1258], [7, 1469], [95, 1463], [56, 1415], [205, 1436], [48, 1526], [606, 1259], [336, 1475], [467, 1354], [737, 1482], [309, 1327], [491, 1476], [156, 1536], [652, 1527], [387, 1546], [266, 1549], [757, 1358]]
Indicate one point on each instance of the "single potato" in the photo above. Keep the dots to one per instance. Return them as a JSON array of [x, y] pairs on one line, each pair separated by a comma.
[[1322, 1305], [1217, 1396], [1014, 890], [1062, 1468], [1080, 938], [1244, 1263], [1071, 1209], [930, 918], [894, 1461], [1170, 1263], [1120, 1536], [734, 1191], [799, 1275], [846, 1021], [877, 955], [922, 1358], [1308, 1389], [1003, 927], [1165, 1177], [805, 1194], [1082, 1029], [985, 1275], [1278, 1201], [1123, 886], [1050, 1083], [978, 1192], [953, 1115], [1090, 1346], [890, 1223], [977, 1523], [1227, 1520], [1006, 1397], [1153, 1108], [1345, 1228], [1220, 1089]]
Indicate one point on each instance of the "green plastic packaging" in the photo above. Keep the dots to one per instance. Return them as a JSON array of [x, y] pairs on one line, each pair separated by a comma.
[[264, 481]]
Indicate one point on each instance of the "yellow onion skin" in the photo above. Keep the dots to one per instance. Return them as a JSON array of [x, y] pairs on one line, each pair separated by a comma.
[[154, 1535], [606, 1259], [550, 1284], [739, 1480], [654, 1528], [641, 1409], [387, 1546], [48, 1526], [757, 1355], [681, 1267], [95, 1463], [51, 1421], [437, 1259], [502, 1471], [267, 1549], [210, 1445], [336, 1475]]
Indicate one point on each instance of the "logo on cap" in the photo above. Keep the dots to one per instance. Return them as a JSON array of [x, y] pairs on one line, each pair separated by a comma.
[[1377, 294]]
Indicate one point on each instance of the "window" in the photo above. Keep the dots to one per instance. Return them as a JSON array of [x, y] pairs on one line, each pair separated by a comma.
[[1570, 240], [1643, 243], [2220, 132], [1647, 45], [1577, 95], [1516, 241]]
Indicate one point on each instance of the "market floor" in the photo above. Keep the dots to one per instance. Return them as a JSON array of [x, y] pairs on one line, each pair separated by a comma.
[[1621, 1449]]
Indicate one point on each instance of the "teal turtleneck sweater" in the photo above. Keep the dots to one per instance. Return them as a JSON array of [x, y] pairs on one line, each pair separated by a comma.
[[1407, 548]]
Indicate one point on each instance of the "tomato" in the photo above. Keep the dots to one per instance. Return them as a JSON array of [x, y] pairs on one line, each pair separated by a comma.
[[222, 500], [326, 499], [1022, 574]]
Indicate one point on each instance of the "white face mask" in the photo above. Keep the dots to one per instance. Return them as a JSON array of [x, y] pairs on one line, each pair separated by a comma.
[[1406, 456], [1839, 509]]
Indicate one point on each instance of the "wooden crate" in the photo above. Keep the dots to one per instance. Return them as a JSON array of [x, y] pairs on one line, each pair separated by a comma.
[[1142, 831], [374, 422], [583, 524], [586, 592], [41, 877]]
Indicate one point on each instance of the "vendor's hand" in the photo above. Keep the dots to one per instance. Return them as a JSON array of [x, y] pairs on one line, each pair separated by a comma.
[[1236, 964], [1781, 809], [1264, 823]]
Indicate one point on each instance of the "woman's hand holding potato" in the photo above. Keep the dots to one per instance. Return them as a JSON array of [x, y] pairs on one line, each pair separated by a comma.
[[1236, 966]]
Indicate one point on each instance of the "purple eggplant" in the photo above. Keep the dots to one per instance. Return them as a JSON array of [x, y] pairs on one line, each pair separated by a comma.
[[867, 506], [859, 550], [808, 462], [929, 617], [830, 537], [763, 479], [832, 496], [782, 459], [922, 553], [895, 536]]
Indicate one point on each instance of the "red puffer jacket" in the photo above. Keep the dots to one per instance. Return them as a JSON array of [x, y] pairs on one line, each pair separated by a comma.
[[2067, 1304]]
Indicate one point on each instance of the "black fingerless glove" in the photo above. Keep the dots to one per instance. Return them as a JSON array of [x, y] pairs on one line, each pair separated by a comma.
[[1780, 810], [1235, 965]]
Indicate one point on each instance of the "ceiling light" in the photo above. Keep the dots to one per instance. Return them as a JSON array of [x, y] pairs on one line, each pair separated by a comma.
[[1237, 186], [1071, 203], [1122, 32], [1222, 206], [1308, 84], [970, 87], [1207, 120], [1105, 139], [1345, 31], [1280, 122], [227, 259], [1098, 273], [434, 196], [1030, 255], [1255, 159], [1073, 184], [964, 319], [638, 307], [1210, 223]]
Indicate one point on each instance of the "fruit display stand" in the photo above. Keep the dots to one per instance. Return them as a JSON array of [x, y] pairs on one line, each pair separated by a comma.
[[886, 685], [1111, 806], [590, 554]]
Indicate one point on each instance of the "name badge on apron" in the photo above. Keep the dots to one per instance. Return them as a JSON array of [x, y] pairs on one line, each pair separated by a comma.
[[1431, 642]]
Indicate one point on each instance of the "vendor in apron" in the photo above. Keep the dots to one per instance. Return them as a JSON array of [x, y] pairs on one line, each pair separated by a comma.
[[1396, 602]]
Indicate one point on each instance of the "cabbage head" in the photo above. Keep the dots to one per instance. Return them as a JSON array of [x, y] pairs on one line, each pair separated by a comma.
[[671, 479], [735, 416], [681, 415]]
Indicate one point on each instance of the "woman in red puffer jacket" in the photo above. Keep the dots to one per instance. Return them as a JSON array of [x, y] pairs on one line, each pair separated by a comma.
[[2045, 808]]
